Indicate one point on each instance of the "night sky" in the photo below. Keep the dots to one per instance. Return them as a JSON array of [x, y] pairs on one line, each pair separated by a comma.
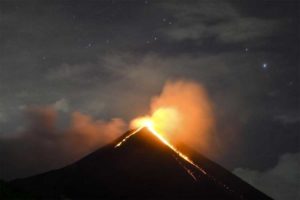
[[102, 61]]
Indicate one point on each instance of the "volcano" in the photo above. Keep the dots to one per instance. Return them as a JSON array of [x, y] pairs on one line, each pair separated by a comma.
[[139, 165]]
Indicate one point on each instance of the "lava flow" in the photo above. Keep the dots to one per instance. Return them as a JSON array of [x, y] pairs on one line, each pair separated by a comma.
[[148, 122]]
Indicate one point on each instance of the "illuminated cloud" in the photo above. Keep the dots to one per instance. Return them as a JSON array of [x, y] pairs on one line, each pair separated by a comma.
[[47, 147]]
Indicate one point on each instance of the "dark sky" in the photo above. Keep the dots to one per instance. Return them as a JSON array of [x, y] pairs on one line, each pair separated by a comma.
[[106, 59]]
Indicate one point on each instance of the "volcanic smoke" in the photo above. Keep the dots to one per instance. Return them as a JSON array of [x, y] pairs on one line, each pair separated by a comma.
[[182, 113]]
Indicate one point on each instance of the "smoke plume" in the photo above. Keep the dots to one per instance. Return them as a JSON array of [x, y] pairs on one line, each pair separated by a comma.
[[184, 112]]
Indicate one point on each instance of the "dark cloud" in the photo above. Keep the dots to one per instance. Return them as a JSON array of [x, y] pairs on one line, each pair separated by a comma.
[[280, 182], [219, 20]]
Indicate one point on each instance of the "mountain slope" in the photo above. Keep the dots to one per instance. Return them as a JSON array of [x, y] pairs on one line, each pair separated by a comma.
[[141, 167]]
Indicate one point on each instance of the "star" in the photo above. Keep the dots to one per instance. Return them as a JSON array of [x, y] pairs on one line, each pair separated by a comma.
[[89, 45], [264, 65], [246, 49]]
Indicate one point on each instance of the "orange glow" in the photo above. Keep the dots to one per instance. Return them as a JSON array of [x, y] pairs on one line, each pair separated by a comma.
[[141, 122], [182, 113], [165, 120], [194, 108], [150, 124]]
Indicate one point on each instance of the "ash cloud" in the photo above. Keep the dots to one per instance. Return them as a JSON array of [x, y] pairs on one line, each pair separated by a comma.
[[43, 146]]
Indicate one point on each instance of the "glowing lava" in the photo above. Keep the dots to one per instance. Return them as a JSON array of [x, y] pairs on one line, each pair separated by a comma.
[[150, 124], [164, 120], [174, 149]]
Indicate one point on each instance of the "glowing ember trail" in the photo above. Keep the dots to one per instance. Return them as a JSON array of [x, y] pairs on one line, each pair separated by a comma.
[[149, 125], [174, 149], [128, 136]]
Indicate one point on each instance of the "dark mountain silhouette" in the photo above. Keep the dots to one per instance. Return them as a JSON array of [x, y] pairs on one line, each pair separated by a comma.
[[8, 192], [141, 167]]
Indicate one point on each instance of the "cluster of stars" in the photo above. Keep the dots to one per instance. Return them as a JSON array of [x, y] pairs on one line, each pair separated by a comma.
[[165, 21], [154, 38]]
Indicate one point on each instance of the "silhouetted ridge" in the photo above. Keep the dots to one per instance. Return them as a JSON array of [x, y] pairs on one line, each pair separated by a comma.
[[141, 167]]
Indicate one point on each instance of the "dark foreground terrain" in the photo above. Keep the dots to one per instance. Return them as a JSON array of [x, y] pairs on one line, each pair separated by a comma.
[[142, 167]]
